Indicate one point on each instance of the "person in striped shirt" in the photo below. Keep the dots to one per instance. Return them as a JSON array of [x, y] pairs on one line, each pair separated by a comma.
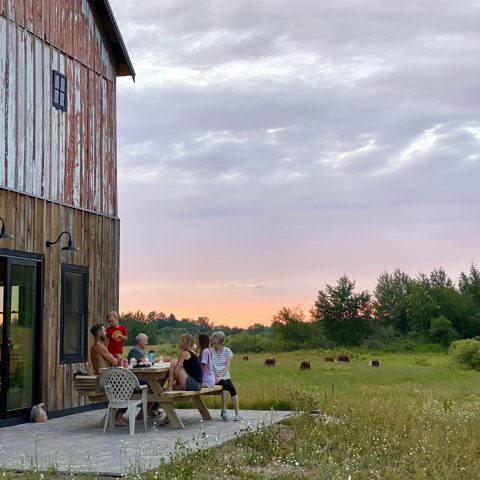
[[221, 357]]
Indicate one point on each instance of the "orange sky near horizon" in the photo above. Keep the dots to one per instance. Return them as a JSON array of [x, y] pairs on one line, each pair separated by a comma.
[[219, 311], [240, 315]]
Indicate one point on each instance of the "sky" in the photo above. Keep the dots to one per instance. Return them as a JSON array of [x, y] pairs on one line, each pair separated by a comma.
[[268, 148]]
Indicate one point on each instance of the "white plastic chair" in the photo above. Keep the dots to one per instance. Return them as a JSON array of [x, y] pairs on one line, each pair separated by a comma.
[[119, 385]]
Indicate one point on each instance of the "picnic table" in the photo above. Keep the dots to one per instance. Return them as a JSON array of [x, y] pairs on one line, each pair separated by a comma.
[[156, 377]]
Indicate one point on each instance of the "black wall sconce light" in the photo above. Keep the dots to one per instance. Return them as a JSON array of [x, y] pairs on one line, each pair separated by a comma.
[[4, 233], [69, 247]]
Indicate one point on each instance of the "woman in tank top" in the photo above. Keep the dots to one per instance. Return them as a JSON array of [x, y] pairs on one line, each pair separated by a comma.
[[186, 372]]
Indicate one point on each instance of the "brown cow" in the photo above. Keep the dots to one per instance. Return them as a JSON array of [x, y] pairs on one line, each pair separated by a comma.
[[374, 363], [343, 358], [329, 359], [305, 365], [270, 362], [245, 358]]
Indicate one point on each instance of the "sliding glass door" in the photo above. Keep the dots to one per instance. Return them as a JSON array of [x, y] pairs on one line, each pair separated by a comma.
[[19, 287]]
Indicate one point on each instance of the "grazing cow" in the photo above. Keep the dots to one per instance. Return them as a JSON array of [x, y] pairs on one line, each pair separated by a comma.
[[343, 358], [329, 359], [374, 363], [245, 358], [270, 362], [305, 365]]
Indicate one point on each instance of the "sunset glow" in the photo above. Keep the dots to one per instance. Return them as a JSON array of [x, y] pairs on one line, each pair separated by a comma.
[[267, 149]]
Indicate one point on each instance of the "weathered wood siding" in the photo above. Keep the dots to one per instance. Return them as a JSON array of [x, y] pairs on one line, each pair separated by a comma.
[[34, 221], [67, 157]]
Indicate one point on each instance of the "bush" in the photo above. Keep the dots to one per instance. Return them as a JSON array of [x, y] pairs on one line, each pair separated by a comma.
[[466, 353], [245, 342], [442, 331]]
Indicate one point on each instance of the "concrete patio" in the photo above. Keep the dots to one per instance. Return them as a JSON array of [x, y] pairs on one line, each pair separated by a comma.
[[75, 443]]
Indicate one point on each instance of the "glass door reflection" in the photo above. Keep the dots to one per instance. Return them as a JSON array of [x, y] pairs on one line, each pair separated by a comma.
[[20, 334], [19, 316]]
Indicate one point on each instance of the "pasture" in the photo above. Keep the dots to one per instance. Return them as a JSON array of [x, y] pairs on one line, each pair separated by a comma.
[[404, 375], [413, 417]]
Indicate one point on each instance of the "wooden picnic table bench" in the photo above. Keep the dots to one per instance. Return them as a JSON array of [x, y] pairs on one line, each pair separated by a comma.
[[87, 385], [168, 399]]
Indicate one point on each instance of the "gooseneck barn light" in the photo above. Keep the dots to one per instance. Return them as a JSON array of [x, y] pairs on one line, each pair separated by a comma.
[[4, 233], [69, 247]]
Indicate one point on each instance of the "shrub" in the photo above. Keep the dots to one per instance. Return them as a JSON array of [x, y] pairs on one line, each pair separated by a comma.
[[245, 342], [466, 353], [442, 331]]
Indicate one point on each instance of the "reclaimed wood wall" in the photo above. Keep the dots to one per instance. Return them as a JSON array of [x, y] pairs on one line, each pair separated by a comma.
[[67, 157], [33, 221]]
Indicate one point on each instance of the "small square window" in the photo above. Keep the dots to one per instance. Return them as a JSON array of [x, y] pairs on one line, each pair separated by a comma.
[[59, 97]]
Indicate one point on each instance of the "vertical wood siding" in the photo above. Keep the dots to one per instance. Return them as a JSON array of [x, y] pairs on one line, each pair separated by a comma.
[[34, 221], [67, 157], [58, 169]]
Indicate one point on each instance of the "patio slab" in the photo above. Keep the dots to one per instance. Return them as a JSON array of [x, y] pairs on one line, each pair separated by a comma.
[[75, 443]]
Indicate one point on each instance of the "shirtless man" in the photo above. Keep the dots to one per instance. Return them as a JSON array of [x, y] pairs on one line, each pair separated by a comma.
[[99, 354], [102, 358]]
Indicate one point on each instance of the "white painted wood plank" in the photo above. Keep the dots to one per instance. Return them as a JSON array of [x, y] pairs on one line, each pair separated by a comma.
[[78, 125], [21, 108], [40, 128], [12, 107], [29, 113], [47, 121], [93, 143], [3, 95], [62, 138], [55, 114], [104, 185]]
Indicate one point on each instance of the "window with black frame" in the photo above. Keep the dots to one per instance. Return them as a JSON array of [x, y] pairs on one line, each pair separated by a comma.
[[59, 91], [74, 315]]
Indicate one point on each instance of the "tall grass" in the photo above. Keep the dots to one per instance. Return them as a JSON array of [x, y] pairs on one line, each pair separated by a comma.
[[262, 387], [415, 417]]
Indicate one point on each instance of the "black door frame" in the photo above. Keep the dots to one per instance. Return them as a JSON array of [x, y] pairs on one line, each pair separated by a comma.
[[37, 260]]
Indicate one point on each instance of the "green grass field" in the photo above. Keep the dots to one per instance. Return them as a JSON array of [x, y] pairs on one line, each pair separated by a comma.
[[413, 417], [405, 375]]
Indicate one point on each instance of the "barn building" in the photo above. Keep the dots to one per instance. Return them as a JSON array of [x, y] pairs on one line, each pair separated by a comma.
[[59, 60]]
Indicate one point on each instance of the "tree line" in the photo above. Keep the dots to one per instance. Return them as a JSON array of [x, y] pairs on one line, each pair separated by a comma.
[[428, 308], [165, 329]]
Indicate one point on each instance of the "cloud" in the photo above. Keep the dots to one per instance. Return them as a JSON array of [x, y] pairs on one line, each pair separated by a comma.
[[264, 142]]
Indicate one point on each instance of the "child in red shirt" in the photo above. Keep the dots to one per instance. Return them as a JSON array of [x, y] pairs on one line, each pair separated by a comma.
[[116, 335]]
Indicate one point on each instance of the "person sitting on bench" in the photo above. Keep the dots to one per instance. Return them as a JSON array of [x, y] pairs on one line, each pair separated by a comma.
[[102, 358], [186, 372]]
